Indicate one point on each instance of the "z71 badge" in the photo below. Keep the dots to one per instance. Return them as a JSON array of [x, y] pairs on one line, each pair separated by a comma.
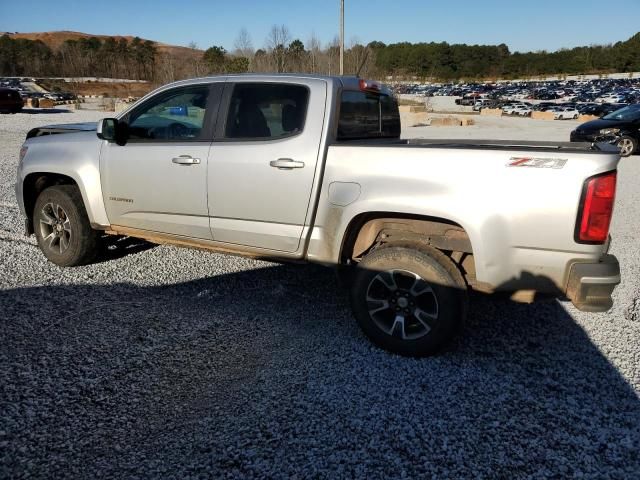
[[537, 162]]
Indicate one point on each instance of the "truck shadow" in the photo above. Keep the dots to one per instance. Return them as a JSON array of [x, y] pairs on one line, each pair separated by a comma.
[[268, 365], [115, 246], [34, 111]]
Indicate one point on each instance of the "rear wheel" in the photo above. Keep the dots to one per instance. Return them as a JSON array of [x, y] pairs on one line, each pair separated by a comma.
[[627, 146], [408, 300], [62, 227]]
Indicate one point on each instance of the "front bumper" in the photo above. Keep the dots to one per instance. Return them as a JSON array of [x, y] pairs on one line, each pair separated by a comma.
[[590, 285], [20, 197], [28, 226], [576, 136]]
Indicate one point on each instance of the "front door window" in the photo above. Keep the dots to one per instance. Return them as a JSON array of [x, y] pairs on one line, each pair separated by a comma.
[[177, 116]]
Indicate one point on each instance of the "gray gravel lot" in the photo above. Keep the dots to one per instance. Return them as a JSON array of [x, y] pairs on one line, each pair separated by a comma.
[[174, 363]]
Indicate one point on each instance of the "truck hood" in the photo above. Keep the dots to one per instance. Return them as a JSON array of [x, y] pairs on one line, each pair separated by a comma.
[[62, 128]]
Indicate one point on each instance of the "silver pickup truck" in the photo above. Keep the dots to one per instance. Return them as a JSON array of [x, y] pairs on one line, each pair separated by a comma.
[[306, 168]]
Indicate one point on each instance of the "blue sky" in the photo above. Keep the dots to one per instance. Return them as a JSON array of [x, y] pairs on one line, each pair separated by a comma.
[[522, 25]]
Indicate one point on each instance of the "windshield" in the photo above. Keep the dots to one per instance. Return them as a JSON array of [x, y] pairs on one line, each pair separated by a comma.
[[629, 114]]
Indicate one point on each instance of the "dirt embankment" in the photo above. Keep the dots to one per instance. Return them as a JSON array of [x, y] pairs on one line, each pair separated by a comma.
[[107, 89], [55, 40]]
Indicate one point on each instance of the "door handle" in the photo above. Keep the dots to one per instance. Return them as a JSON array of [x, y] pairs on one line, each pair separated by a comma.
[[286, 164], [185, 160]]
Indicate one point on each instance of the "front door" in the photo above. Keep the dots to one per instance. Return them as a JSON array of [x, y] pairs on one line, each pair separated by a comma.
[[261, 171], [158, 180]]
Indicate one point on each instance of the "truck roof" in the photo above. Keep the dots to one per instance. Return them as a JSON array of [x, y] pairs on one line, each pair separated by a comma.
[[349, 82]]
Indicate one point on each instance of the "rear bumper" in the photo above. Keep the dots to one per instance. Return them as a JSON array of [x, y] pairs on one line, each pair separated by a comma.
[[590, 285]]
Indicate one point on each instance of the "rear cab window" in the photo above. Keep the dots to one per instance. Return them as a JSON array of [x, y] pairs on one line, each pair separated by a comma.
[[367, 114]]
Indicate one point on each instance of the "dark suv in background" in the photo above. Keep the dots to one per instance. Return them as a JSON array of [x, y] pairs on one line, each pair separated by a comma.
[[621, 128], [10, 100]]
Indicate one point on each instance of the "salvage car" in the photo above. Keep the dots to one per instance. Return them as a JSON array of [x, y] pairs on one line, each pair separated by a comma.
[[304, 168], [621, 128]]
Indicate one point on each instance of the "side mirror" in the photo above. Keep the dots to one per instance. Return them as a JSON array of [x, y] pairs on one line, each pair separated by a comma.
[[111, 130], [107, 129]]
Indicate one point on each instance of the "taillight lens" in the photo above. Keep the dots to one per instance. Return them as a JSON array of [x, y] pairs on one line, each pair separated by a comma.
[[369, 86], [597, 208]]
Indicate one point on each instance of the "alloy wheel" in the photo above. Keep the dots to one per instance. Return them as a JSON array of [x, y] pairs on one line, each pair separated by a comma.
[[402, 304], [55, 228], [626, 147]]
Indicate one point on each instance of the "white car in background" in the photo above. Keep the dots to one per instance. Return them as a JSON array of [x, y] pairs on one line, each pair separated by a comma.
[[53, 96], [617, 99], [517, 109], [482, 103], [565, 113], [610, 98]]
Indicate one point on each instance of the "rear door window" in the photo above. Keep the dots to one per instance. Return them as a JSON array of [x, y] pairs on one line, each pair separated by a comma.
[[263, 111]]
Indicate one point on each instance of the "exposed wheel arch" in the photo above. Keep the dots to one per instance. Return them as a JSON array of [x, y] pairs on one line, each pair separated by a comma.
[[371, 230]]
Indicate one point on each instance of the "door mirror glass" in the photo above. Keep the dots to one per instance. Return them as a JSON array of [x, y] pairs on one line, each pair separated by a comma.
[[107, 129], [112, 130]]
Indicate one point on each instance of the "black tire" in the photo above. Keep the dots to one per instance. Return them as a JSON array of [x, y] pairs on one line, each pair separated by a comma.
[[627, 145], [60, 211], [444, 296]]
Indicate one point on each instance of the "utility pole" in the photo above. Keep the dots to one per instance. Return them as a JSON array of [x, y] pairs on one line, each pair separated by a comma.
[[341, 37]]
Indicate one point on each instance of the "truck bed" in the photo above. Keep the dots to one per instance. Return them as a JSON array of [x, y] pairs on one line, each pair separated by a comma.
[[503, 145]]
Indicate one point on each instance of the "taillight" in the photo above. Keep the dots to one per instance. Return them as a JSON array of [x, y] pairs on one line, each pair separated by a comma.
[[596, 210], [369, 86]]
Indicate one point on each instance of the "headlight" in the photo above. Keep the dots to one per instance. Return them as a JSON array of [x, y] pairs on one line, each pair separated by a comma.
[[609, 131]]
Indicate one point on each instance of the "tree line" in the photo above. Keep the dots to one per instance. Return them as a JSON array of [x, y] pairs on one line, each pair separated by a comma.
[[281, 53], [140, 59], [452, 62], [86, 57]]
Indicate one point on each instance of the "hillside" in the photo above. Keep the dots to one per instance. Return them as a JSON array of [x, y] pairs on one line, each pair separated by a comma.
[[54, 41]]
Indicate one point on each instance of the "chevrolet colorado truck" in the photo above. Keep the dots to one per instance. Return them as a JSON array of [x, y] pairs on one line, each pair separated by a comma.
[[312, 169]]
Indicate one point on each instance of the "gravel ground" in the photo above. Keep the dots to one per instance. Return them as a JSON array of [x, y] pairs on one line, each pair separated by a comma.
[[174, 363]]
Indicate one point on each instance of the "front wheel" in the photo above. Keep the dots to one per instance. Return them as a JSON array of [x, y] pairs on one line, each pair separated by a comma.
[[409, 300], [627, 146], [62, 227]]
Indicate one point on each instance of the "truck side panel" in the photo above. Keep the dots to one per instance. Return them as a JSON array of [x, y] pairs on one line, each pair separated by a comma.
[[520, 220]]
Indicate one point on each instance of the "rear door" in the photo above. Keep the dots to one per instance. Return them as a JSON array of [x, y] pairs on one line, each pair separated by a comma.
[[263, 162]]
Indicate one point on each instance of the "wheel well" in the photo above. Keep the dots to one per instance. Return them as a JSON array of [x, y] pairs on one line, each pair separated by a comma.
[[369, 231], [34, 184]]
